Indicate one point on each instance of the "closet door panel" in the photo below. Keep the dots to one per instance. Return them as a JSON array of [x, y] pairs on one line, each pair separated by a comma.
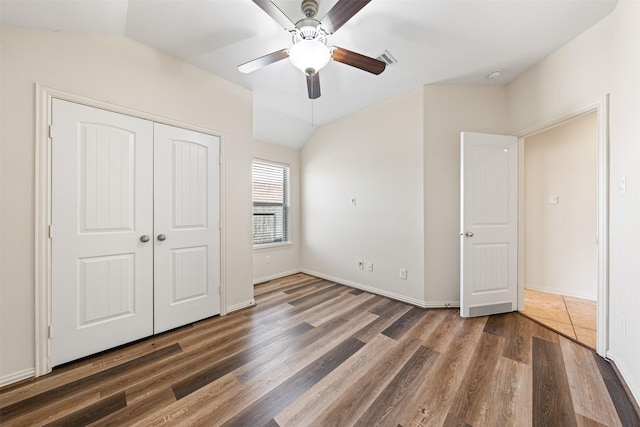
[[102, 184], [187, 230]]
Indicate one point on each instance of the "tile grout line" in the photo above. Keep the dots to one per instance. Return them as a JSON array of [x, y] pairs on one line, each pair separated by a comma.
[[566, 307]]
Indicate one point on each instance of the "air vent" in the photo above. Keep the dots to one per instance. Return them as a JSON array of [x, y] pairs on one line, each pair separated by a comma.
[[387, 58]]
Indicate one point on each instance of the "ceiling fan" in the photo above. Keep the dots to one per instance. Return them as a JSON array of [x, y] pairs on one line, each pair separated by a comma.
[[310, 52]]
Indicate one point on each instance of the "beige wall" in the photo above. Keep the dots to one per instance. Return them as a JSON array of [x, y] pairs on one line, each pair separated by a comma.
[[449, 110], [572, 76], [282, 260], [374, 156], [124, 73], [605, 59], [561, 251]]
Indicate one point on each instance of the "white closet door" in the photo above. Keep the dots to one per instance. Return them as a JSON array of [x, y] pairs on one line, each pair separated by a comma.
[[102, 188], [187, 230]]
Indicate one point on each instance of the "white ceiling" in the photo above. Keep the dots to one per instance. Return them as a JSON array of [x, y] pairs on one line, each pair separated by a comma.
[[434, 41]]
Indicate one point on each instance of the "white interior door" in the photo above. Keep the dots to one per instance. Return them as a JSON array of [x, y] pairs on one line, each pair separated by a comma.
[[187, 227], [102, 187], [489, 229]]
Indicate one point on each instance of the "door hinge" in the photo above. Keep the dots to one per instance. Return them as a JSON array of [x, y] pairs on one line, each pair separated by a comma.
[[49, 331], [51, 131], [51, 231]]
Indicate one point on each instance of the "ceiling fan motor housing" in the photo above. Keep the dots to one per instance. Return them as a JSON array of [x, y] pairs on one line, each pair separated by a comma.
[[309, 29], [309, 8]]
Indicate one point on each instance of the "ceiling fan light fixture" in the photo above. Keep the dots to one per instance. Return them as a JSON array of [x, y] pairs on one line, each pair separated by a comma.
[[309, 56]]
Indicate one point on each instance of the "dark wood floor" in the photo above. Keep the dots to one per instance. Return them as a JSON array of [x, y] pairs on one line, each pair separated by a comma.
[[314, 353]]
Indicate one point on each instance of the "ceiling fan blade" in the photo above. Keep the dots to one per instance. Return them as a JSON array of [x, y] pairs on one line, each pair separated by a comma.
[[340, 13], [274, 12], [313, 86], [258, 63], [366, 63]]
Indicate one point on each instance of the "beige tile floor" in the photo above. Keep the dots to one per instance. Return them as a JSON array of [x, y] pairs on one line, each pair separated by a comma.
[[574, 317]]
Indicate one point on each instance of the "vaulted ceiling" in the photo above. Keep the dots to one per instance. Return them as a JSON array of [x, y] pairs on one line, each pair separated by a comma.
[[434, 41]]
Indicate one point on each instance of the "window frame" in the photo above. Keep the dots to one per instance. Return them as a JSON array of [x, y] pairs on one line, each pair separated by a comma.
[[286, 204]]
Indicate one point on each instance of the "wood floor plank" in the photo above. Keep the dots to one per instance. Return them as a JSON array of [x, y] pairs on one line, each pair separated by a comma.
[[387, 315], [437, 394], [518, 345], [317, 399], [50, 397], [137, 410], [624, 408], [302, 305], [404, 323], [329, 291], [232, 402], [362, 392], [89, 366], [512, 397], [501, 325], [588, 391], [205, 376], [343, 357], [148, 385], [273, 402], [318, 312], [440, 336], [475, 395], [92, 413], [583, 421], [517, 332], [386, 408], [182, 411], [289, 284], [301, 359], [313, 337], [552, 404], [216, 347]]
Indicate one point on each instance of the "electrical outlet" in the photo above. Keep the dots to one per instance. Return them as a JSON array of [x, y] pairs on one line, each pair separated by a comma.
[[370, 266], [361, 265], [267, 259], [403, 273]]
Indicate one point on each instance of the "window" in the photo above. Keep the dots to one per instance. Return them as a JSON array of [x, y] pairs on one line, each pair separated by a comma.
[[270, 203]]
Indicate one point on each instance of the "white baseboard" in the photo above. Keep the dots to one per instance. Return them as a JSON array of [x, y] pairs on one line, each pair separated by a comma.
[[392, 295], [560, 291], [17, 376], [275, 276], [241, 305]]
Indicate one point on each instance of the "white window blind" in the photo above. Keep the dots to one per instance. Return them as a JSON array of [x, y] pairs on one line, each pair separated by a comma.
[[270, 203]]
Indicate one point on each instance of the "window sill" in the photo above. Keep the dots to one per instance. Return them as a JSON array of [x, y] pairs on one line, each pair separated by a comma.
[[272, 245]]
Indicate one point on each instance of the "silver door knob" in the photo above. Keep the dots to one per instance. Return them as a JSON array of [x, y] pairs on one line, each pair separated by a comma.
[[468, 234], [144, 238], [162, 237]]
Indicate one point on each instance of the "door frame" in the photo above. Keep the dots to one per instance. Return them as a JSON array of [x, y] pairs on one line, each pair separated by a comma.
[[601, 107], [42, 265]]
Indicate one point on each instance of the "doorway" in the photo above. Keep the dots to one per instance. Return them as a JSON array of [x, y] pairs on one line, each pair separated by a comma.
[[561, 255]]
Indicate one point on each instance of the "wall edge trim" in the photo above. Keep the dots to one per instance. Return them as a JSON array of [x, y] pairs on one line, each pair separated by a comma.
[[382, 292], [17, 376]]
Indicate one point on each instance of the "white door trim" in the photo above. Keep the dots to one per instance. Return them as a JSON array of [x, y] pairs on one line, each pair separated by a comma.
[[601, 107], [42, 267]]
